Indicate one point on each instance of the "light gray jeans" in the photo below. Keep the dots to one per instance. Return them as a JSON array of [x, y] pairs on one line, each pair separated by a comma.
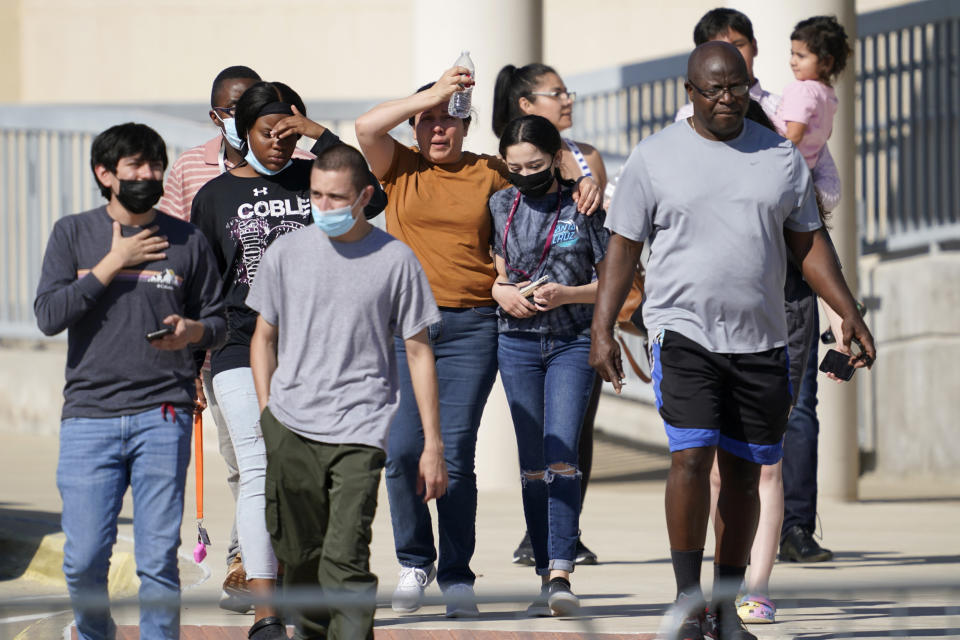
[[238, 405], [226, 451]]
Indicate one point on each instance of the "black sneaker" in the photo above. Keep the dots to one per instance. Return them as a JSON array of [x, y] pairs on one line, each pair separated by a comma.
[[584, 555], [691, 629], [799, 546], [524, 553], [271, 628], [724, 628], [540, 607], [561, 600]]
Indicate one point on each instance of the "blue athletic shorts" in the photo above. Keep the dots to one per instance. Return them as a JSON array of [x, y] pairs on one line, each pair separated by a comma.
[[736, 401]]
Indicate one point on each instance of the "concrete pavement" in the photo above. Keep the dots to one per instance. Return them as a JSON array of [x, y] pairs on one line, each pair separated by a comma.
[[890, 539]]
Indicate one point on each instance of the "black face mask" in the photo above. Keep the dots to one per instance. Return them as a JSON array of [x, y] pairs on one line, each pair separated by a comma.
[[534, 185], [138, 196]]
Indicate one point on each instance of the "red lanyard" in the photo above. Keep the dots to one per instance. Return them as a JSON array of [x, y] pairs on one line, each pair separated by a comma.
[[546, 245]]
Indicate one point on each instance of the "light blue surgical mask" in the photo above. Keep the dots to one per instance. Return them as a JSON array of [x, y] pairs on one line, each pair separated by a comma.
[[230, 132], [258, 166], [335, 222]]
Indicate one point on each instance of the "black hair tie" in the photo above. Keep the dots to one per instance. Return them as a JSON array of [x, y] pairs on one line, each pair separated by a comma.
[[272, 108]]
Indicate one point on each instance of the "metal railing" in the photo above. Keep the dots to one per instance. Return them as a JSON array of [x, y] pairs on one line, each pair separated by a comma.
[[45, 175], [813, 608], [908, 125], [619, 107], [907, 130]]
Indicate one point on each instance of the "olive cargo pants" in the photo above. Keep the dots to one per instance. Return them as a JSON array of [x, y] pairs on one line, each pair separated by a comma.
[[320, 503]]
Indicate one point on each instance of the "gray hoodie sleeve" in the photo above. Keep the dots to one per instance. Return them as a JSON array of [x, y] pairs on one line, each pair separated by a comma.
[[62, 297], [204, 299]]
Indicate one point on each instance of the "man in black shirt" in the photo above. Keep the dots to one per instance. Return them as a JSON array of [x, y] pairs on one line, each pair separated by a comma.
[[110, 277]]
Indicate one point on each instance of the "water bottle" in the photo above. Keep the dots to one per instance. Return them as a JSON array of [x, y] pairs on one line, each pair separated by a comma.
[[459, 106]]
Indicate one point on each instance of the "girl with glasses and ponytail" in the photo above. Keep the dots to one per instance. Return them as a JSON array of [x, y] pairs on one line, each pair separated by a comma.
[[544, 341]]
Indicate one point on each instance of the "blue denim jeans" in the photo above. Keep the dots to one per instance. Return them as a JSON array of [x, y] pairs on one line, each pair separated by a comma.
[[465, 347], [237, 398], [800, 448], [99, 459], [548, 381]]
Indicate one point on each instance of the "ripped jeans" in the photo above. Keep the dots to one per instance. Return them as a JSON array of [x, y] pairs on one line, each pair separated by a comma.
[[548, 381]]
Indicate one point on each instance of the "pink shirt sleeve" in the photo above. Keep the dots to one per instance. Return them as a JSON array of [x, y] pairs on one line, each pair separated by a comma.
[[172, 201], [799, 102]]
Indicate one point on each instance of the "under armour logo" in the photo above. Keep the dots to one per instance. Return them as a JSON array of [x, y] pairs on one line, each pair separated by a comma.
[[260, 192]]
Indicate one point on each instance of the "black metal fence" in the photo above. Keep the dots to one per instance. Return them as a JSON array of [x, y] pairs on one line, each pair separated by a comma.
[[908, 125], [907, 120]]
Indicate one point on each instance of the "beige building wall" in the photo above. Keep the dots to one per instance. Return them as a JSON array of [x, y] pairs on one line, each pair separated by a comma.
[[10, 61], [148, 51]]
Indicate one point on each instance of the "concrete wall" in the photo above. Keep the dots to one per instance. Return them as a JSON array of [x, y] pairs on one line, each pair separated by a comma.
[[10, 61], [31, 385], [912, 395], [170, 50], [123, 51]]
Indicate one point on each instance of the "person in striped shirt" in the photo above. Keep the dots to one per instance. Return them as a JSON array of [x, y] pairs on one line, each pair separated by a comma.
[[193, 169]]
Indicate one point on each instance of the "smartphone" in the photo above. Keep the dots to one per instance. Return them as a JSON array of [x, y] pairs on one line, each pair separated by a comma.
[[159, 333], [530, 288], [837, 363]]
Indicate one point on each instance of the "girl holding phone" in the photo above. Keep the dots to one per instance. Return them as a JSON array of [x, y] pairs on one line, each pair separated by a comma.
[[544, 341]]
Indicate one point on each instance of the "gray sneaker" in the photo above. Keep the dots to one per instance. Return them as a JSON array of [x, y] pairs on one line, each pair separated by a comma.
[[561, 600], [408, 596], [461, 601], [540, 607]]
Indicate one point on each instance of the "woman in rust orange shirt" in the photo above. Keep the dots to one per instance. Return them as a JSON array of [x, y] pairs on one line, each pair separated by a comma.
[[438, 195]]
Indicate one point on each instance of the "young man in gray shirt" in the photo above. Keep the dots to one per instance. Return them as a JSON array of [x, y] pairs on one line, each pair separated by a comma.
[[330, 298], [111, 277], [719, 199]]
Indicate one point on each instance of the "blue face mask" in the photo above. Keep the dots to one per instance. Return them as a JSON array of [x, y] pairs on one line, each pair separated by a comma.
[[335, 222], [230, 132], [258, 166]]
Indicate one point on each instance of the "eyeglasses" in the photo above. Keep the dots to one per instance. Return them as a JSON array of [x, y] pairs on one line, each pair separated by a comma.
[[228, 112], [559, 95], [714, 93]]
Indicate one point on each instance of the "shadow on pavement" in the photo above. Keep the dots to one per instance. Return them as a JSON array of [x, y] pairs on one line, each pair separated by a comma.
[[877, 633], [21, 533], [637, 476], [927, 500], [879, 559]]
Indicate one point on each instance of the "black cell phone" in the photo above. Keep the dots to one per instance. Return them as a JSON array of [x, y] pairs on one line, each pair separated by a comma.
[[159, 333], [837, 363]]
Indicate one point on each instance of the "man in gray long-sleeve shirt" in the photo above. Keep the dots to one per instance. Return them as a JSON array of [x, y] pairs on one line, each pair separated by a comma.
[[111, 276]]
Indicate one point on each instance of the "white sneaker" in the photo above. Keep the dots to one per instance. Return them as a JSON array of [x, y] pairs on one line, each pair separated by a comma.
[[461, 601], [408, 596]]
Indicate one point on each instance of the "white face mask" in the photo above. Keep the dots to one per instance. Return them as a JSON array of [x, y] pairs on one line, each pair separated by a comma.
[[335, 222], [258, 166], [230, 131]]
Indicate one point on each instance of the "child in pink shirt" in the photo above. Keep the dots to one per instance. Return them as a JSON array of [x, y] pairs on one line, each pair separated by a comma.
[[819, 49]]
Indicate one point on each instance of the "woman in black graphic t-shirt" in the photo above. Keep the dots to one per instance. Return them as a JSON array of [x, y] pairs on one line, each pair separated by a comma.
[[241, 213]]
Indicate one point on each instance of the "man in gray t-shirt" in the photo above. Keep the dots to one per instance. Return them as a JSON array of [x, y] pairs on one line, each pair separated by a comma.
[[719, 200], [331, 297]]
